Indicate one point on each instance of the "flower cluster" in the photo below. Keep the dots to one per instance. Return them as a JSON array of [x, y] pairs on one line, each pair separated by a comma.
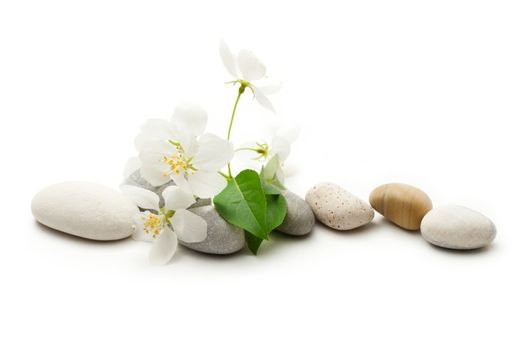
[[179, 153]]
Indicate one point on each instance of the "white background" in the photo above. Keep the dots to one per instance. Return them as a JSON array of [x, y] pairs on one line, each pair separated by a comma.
[[429, 93]]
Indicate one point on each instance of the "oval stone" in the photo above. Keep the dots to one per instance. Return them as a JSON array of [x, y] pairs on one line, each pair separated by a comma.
[[223, 238], [85, 210], [337, 208], [402, 204], [135, 179], [457, 227], [299, 219]]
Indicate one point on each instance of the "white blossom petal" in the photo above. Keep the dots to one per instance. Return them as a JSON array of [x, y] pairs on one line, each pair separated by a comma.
[[153, 176], [153, 170], [176, 198], [190, 118], [206, 184], [250, 66], [139, 233], [246, 151], [186, 138], [280, 147], [142, 197], [228, 59], [133, 164], [270, 89], [180, 181], [164, 246], [213, 153], [290, 134], [247, 159], [263, 100], [189, 227], [288, 170], [154, 129]]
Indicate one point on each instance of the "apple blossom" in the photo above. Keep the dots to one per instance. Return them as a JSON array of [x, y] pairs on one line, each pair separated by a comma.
[[178, 150], [164, 226], [246, 68]]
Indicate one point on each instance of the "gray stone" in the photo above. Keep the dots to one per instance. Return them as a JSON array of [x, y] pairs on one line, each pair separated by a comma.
[[223, 238], [300, 219], [337, 208], [457, 227], [85, 210], [135, 179]]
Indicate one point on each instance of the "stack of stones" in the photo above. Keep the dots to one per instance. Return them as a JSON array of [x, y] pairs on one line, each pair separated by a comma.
[[97, 212], [452, 226], [224, 238]]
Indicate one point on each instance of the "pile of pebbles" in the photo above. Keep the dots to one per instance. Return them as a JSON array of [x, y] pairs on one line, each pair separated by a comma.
[[452, 226], [97, 212]]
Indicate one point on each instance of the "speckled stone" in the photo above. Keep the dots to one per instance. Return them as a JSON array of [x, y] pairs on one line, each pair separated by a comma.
[[337, 208], [299, 219], [223, 238], [85, 210], [457, 227]]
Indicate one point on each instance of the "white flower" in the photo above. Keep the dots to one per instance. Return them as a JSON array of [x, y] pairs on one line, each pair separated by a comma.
[[179, 151], [280, 145], [263, 151], [246, 68], [164, 226]]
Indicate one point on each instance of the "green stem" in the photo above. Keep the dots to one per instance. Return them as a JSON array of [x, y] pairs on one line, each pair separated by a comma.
[[241, 90], [234, 110]]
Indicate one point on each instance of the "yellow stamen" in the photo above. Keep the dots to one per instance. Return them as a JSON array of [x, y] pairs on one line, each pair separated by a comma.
[[152, 224], [178, 161]]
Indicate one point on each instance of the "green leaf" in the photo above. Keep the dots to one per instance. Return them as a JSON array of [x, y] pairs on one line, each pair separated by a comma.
[[276, 211], [243, 203], [270, 188], [248, 203], [270, 170], [270, 176], [253, 242]]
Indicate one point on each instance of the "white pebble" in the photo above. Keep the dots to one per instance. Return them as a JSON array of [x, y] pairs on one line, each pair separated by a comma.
[[457, 227], [86, 210]]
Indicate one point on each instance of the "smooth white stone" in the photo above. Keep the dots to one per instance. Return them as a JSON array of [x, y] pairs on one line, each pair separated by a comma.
[[337, 208], [86, 210], [457, 227]]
